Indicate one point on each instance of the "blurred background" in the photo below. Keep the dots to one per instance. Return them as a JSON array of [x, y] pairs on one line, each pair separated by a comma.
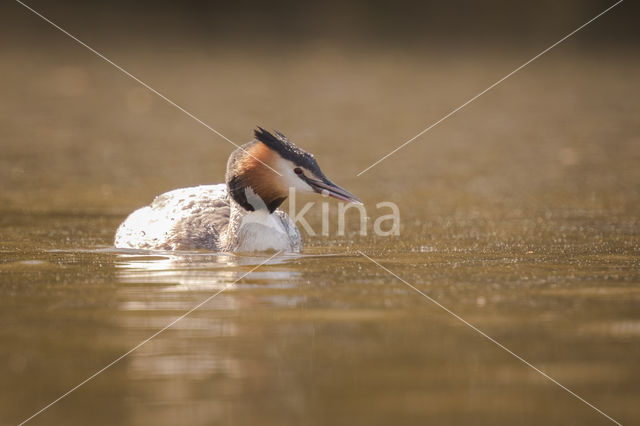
[[520, 212], [348, 81]]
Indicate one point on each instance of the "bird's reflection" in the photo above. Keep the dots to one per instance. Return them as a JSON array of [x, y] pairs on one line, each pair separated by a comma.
[[194, 271], [162, 286]]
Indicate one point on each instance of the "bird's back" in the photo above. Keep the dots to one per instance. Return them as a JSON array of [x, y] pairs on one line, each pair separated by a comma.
[[182, 219]]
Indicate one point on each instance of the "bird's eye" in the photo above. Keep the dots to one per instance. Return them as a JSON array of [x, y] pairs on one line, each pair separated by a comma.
[[297, 171]]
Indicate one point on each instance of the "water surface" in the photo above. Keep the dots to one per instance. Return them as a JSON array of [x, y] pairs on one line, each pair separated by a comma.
[[520, 214]]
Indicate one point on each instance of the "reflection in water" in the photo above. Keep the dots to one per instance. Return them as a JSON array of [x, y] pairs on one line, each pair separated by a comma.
[[189, 271], [201, 346], [278, 343], [307, 335]]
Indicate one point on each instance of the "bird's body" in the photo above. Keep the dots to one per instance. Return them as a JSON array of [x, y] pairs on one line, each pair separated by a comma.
[[205, 217], [241, 215]]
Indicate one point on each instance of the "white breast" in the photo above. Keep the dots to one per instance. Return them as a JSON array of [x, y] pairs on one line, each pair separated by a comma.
[[262, 231]]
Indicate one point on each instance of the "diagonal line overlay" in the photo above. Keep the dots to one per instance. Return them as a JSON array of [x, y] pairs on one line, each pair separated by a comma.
[[490, 87], [151, 89], [97, 373], [491, 339]]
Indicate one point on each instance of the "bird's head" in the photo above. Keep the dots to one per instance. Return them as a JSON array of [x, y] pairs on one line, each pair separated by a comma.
[[247, 171]]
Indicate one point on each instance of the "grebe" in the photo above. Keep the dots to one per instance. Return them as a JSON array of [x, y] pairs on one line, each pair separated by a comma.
[[240, 215]]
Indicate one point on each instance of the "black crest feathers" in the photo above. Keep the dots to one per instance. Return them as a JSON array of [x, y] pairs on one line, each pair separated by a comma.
[[288, 150]]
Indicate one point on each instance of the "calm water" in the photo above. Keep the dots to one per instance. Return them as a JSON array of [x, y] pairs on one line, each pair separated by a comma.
[[520, 214]]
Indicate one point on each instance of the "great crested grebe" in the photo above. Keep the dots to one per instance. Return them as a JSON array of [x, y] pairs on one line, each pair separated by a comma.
[[240, 215]]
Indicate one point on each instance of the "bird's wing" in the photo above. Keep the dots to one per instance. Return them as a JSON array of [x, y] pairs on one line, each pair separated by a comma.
[[185, 218]]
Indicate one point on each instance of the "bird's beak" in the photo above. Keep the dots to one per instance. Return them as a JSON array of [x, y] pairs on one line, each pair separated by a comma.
[[331, 189]]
